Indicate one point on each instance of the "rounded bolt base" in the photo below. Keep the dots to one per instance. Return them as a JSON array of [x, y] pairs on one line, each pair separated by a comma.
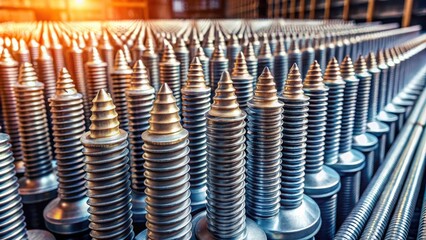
[[67, 218], [302, 222], [39, 189], [200, 230], [37, 234]]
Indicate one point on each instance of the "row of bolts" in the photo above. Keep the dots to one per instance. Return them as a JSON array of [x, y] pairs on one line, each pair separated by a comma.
[[175, 169]]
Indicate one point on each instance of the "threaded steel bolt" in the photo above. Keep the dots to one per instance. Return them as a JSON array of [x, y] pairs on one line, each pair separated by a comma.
[[330, 49], [107, 173], [294, 204], [91, 43], [399, 111], [140, 98], [350, 161], [208, 47], [339, 49], [242, 81], [333, 80], [263, 168], [138, 48], [321, 182], [194, 45], [182, 55], [170, 72], [374, 126], [196, 103], [225, 216], [383, 116], [251, 62], [39, 185], [205, 63], [96, 75], [265, 58], [33, 47], [399, 225], [23, 53], [67, 214], [127, 54], [280, 66], [150, 60], [120, 81], [363, 141], [9, 78], [308, 57], [233, 49], [218, 64], [46, 72], [294, 54], [57, 52], [320, 52], [13, 221], [76, 69], [167, 172], [106, 51]]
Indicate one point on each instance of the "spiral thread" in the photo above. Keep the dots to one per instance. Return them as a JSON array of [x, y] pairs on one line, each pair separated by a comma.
[[138, 48], [233, 50], [150, 59], [127, 54], [384, 69], [308, 57], [317, 92], [362, 99], [328, 207], [194, 46], [422, 222], [35, 140], [182, 55], [107, 173], [390, 82], [242, 81], [68, 126], [205, 63], [9, 75], [196, 103], [251, 61], [218, 64], [374, 91], [294, 140], [33, 47], [225, 161], [120, 81], [46, 72], [58, 56], [265, 58], [294, 54], [140, 99], [23, 53], [264, 138], [96, 75], [76, 69], [348, 195], [320, 54], [349, 104], [170, 72], [280, 66], [167, 171], [333, 80], [12, 221]]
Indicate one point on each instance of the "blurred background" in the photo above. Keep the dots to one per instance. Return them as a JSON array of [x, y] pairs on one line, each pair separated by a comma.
[[406, 12]]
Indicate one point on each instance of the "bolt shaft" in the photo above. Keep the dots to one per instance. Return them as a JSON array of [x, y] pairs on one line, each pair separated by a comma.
[[167, 171]]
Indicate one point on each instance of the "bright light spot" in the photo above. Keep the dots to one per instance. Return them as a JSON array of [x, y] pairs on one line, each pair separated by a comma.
[[79, 1]]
